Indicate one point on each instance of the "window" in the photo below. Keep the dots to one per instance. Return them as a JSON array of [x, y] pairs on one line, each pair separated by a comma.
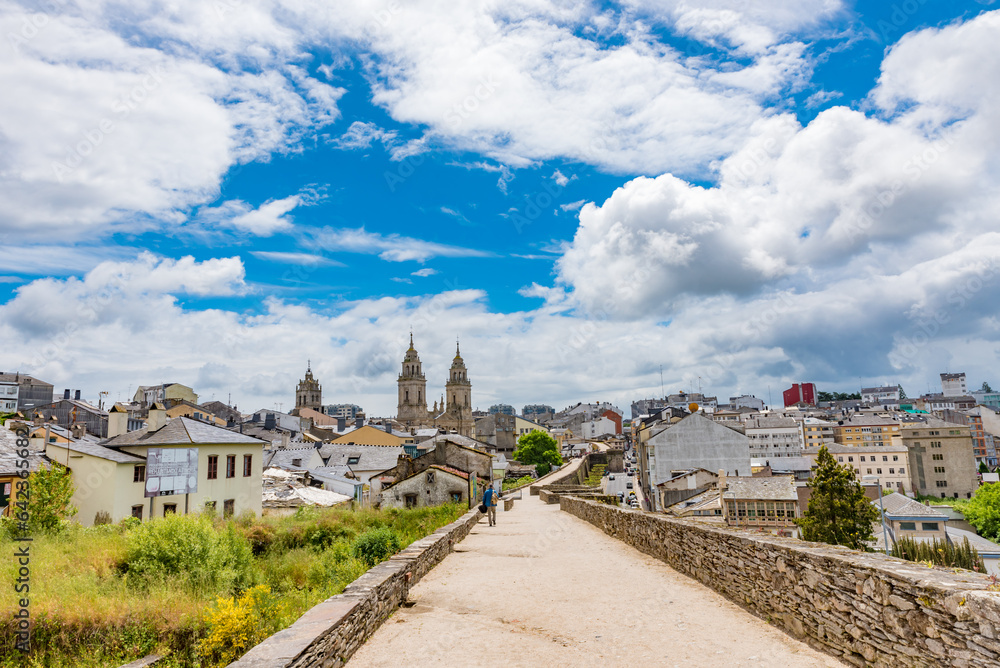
[[892, 471], [137, 512], [895, 458], [885, 458], [790, 510], [139, 474], [938, 469], [902, 471], [907, 526], [840, 459], [169, 509], [411, 500], [942, 483], [935, 444], [430, 476], [850, 459], [878, 471], [228, 507], [456, 497], [247, 465], [937, 457], [353, 460], [231, 466], [862, 458], [869, 471], [929, 526], [741, 509], [213, 467], [210, 506]]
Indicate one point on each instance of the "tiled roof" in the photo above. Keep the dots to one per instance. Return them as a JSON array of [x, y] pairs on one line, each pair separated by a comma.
[[777, 488], [897, 504], [371, 457], [9, 457], [285, 457], [181, 431]]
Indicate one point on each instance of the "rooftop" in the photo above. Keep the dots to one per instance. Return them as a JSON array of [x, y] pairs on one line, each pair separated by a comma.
[[777, 488], [181, 431]]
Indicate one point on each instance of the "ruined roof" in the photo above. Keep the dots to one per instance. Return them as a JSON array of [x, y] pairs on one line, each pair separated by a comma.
[[9, 457], [285, 458], [370, 457]]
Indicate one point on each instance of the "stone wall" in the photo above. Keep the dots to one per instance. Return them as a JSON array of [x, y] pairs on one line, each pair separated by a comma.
[[330, 632], [865, 608]]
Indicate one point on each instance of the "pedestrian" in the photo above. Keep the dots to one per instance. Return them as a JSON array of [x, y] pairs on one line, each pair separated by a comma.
[[490, 501]]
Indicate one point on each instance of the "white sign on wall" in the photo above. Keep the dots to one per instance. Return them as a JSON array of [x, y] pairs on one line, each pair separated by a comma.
[[171, 471]]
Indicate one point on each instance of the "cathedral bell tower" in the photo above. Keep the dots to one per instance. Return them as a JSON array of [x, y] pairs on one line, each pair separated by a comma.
[[309, 393], [458, 394], [411, 407]]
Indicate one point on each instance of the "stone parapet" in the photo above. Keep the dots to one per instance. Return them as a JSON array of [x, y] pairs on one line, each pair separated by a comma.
[[865, 608], [330, 632]]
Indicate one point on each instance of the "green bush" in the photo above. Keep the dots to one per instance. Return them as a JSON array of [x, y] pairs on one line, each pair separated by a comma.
[[129, 523], [191, 547], [542, 469], [376, 545], [102, 517], [260, 537]]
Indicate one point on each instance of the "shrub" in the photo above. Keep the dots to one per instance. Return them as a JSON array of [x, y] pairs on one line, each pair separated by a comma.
[[375, 545], [260, 537], [191, 547], [129, 523], [542, 469], [237, 624], [102, 517], [939, 552]]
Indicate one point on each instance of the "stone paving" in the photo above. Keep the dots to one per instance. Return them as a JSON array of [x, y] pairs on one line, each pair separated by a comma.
[[543, 588]]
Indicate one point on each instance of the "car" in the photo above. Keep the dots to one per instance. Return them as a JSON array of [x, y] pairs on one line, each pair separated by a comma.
[[635, 504], [628, 485], [611, 477]]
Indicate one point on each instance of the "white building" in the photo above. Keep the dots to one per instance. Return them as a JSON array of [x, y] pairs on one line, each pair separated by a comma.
[[8, 396], [774, 437], [953, 385], [746, 401], [597, 428], [880, 395]]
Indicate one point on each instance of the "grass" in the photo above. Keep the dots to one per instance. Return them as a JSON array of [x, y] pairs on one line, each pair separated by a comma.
[[523, 480], [89, 611]]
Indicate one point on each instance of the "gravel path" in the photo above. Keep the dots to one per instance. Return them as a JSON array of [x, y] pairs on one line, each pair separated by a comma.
[[544, 588]]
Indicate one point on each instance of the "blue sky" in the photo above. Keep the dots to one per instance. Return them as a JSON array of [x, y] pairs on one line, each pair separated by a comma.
[[747, 195]]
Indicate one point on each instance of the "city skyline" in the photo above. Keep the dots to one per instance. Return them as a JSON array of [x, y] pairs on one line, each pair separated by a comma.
[[581, 194]]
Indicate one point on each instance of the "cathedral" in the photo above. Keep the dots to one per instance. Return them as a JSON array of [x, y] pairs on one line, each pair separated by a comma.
[[454, 413]]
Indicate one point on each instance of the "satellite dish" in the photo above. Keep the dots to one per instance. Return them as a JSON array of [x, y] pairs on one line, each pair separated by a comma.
[[693, 407]]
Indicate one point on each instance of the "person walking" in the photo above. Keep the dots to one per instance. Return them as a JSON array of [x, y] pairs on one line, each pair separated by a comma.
[[490, 501]]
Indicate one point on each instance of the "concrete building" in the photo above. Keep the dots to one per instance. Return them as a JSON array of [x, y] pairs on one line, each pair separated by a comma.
[[866, 429], [801, 394], [506, 409], [597, 428], [8, 396], [880, 395], [499, 431], [940, 458], [953, 385], [31, 392], [309, 393], [693, 442], [346, 411], [524, 426], [983, 445], [816, 432], [647, 407], [68, 412], [746, 401], [221, 469], [889, 463], [774, 437], [365, 461], [537, 412], [167, 394], [767, 503]]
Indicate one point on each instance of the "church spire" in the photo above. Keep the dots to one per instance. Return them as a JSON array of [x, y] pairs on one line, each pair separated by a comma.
[[411, 340], [458, 353]]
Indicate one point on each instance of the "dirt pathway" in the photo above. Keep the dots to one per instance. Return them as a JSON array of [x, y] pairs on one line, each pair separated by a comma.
[[543, 588]]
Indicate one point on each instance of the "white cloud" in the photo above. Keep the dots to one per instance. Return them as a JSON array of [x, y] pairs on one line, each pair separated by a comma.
[[361, 135], [425, 272], [573, 206], [307, 259], [390, 247]]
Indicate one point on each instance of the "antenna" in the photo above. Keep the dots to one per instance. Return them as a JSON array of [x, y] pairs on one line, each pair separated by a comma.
[[662, 393]]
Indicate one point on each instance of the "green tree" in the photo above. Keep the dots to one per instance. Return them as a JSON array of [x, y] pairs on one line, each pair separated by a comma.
[[986, 387], [902, 393], [839, 513], [51, 495], [983, 468], [983, 511], [537, 447]]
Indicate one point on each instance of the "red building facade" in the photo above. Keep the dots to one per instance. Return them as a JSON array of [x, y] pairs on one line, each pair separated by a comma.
[[800, 393]]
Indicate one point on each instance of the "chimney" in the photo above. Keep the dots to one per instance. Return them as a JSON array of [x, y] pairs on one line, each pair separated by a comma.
[[722, 480], [388, 427], [77, 395], [269, 421], [157, 417], [359, 422], [117, 421], [341, 423], [284, 440], [79, 430], [66, 394]]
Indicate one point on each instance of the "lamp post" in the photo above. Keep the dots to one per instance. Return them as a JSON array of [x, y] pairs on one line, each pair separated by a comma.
[[881, 506]]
